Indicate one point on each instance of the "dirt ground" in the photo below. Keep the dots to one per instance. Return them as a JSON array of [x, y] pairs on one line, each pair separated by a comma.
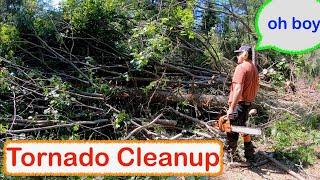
[[268, 171]]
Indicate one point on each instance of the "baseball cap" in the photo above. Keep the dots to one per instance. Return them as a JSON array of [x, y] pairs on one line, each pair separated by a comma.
[[244, 48]]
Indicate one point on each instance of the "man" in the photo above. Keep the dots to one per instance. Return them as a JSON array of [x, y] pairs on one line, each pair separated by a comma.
[[243, 90]]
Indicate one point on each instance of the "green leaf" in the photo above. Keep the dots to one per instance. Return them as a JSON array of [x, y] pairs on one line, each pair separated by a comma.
[[121, 117], [75, 127]]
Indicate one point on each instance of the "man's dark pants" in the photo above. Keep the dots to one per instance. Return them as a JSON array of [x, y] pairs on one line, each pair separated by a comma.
[[240, 119]]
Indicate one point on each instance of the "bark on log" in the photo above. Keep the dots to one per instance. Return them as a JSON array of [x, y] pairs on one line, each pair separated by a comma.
[[201, 100]]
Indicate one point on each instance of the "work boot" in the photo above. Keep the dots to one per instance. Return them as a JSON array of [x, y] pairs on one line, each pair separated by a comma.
[[249, 152]]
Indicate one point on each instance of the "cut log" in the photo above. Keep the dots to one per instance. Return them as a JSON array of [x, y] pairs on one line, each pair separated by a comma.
[[201, 100]]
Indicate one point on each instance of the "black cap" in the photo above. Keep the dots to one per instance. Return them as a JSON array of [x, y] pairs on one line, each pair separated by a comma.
[[244, 48]]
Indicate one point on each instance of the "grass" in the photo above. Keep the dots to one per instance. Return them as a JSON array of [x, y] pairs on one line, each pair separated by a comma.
[[296, 139]]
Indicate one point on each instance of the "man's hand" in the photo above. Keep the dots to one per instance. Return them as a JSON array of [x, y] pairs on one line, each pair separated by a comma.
[[223, 124], [230, 113]]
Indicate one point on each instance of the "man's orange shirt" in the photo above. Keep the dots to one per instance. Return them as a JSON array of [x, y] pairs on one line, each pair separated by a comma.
[[246, 74]]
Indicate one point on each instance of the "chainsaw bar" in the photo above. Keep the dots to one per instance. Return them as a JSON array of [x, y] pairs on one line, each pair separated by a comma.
[[246, 130]]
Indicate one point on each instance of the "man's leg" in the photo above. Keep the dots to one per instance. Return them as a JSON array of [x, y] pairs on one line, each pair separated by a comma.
[[232, 139], [232, 142], [248, 147], [231, 148], [243, 111]]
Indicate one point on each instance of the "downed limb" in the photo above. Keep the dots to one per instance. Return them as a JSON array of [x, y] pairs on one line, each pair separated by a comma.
[[142, 127], [211, 129], [294, 174], [178, 136], [244, 164], [202, 100], [281, 109], [149, 132], [164, 122], [56, 126]]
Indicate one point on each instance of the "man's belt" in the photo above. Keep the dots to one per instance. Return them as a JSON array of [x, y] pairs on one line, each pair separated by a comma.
[[244, 103]]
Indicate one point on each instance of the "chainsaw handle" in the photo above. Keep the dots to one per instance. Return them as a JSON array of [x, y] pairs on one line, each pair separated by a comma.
[[233, 115], [223, 124]]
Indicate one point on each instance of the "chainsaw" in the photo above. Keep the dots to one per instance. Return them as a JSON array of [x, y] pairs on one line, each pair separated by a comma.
[[223, 124]]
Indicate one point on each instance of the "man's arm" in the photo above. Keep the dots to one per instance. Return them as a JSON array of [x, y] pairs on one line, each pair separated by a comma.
[[236, 95], [237, 80]]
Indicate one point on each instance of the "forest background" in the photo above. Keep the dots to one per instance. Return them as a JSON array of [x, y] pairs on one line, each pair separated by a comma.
[[89, 69]]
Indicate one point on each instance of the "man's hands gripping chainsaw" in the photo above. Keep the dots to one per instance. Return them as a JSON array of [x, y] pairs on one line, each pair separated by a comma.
[[223, 124]]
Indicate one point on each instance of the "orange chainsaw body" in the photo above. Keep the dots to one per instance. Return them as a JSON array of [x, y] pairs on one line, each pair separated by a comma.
[[223, 124]]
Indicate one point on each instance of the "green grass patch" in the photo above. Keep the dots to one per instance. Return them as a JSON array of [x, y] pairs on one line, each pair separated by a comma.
[[297, 139]]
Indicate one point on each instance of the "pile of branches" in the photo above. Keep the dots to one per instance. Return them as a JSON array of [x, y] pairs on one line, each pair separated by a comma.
[[54, 90], [83, 82]]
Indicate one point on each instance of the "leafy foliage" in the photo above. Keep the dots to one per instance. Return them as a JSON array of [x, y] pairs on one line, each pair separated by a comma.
[[84, 61], [120, 118], [155, 44], [8, 34], [289, 132]]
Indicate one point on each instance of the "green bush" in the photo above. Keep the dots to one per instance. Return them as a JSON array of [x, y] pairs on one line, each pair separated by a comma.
[[8, 34], [296, 139]]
